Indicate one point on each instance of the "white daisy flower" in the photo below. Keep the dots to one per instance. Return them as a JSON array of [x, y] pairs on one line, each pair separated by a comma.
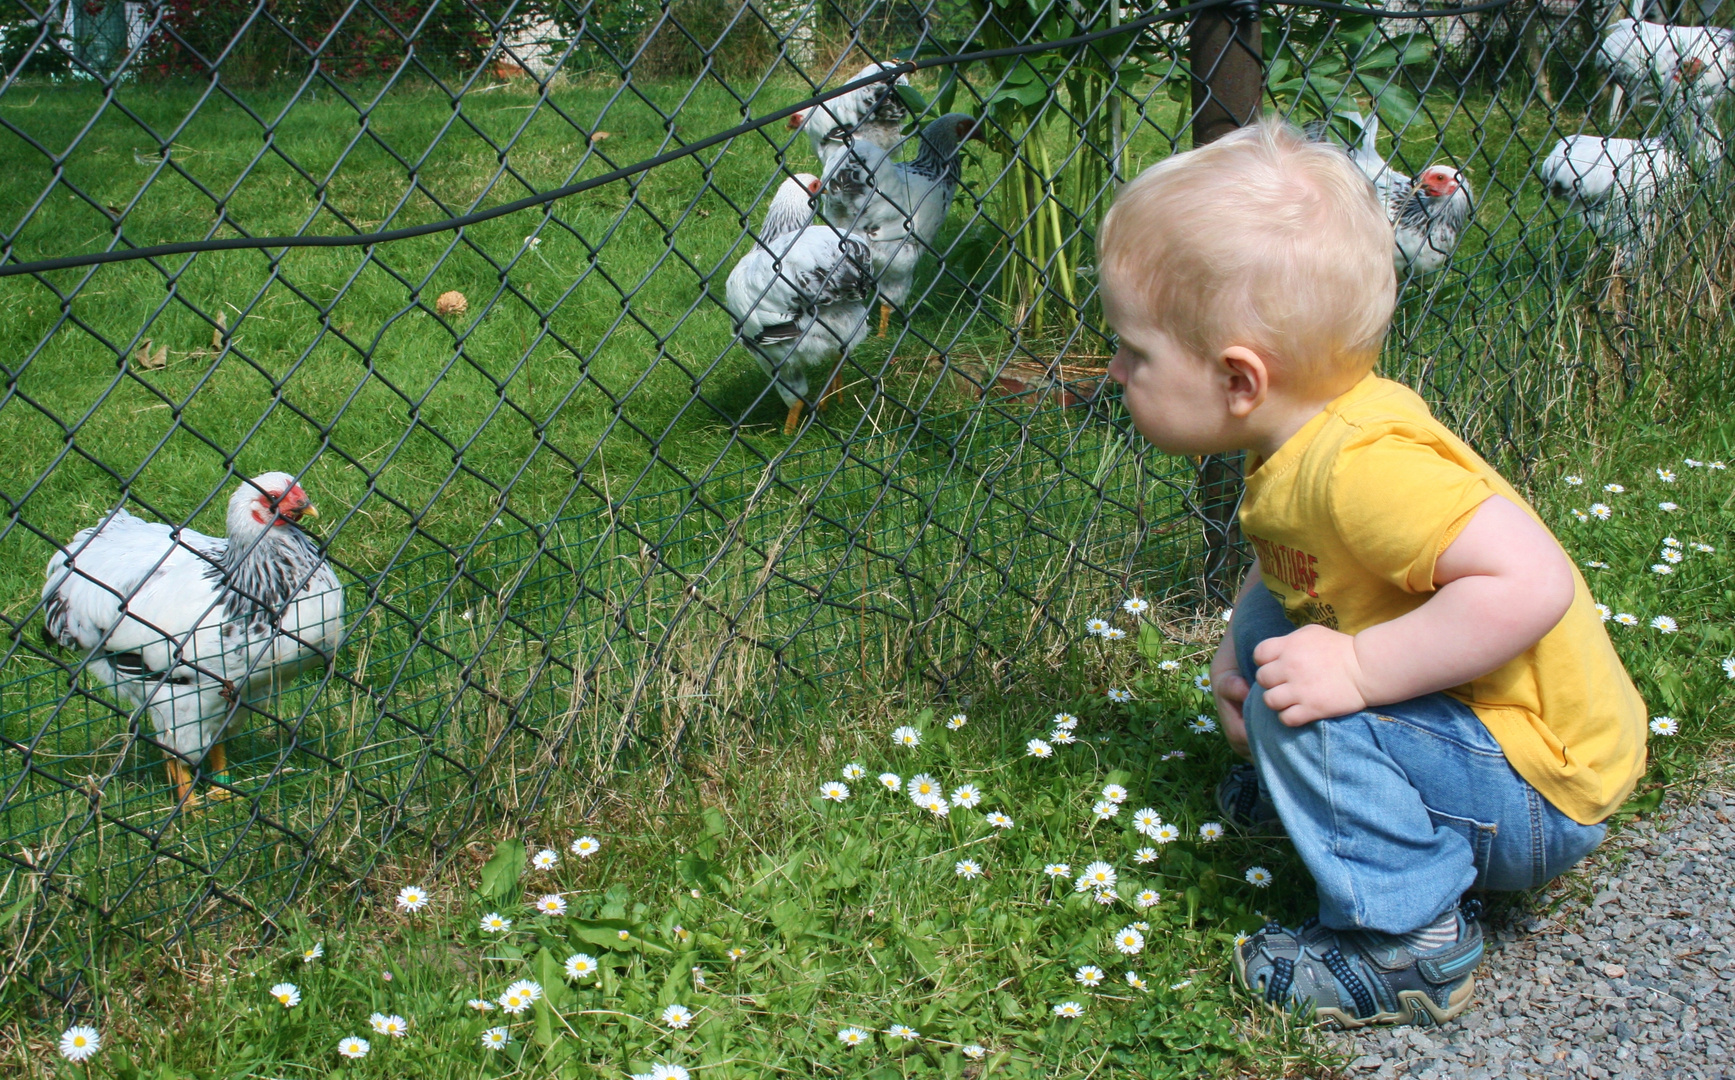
[[1106, 897], [1242, 939], [1728, 663], [546, 859], [1671, 542], [412, 898], [1182, 985], [552, 904], [891, 781], [1613, 489], [834, 791], [1120, 697], [1135, 982], [1662, 568], [1065, 721], [1129, 942], [496, 1038], [1088, 975], [1665, 476], [852, 1037], [999, 819], [1574, 480], [1104, 810], [1036, 748], [520, 996], [308, 956], [1668, 507], [1690, 463], [1114, 633], [1605, 612], [580, 966], [481, 1004], [903, 1031], [853, 771], [974, 1052], [288, 995], [1135, 606], [1258, 876], [922, 786], [1715, 465], [737, 954], [969, 869], [933, 804], [585, 846], [1173, 755], [1098, 875], [1146, 821], [1060, 869], [956, 721], [1665, 725], [1671, 556], [352, 1047], [1202, 683], [1069, 1010], [1626, 618], [1148, 898], [677, 1016], [1211, 830], [394, 1025], [1145, 856], [1062, 737], [1202, 725], [966, 796], [1114, 793], [667, 1072], [1601, 511], [1596, 564], [907, 736], [1169, 665], [1580, 514], [495, 923], [1664, 624], [79, 1042], [1095, 627], [1704, 548], [1167, 833]]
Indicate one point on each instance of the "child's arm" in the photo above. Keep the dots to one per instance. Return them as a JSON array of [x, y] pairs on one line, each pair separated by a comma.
[[1228, 686], [1501, 585]]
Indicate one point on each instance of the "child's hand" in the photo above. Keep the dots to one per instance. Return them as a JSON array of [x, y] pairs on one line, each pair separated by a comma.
[[1229, 690], [1310, 675]]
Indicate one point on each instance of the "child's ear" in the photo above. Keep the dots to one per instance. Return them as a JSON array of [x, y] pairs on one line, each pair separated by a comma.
[[1246, 380]]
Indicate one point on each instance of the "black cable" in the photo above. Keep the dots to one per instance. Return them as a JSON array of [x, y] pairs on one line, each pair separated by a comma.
[[907, 67]]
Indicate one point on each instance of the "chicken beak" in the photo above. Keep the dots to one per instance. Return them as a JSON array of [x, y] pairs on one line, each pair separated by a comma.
[[796, 120], [310, 511]]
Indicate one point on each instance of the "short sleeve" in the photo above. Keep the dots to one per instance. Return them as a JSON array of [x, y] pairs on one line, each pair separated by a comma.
[[1398, 496]]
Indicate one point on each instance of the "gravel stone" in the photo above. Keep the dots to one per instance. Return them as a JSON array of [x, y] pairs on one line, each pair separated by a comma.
[[1623, 970]]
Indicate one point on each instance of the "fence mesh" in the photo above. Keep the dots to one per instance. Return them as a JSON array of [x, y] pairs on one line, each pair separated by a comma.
[[568, 526]]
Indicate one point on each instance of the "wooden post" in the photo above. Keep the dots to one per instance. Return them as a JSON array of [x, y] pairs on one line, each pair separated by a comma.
[[1228, 89]]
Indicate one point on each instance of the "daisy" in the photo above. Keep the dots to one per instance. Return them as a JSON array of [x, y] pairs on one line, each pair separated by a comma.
[[1098, 875], [966, 796], [935, 805], [1069, 1010], [1671, 556], [922, 786], [1065, 721], [834, 791], [737, 953], [1136, 606], [907, 736], [520, 996], [1146, 821], [1716, 465], [1135, 982], [1119, 697], [287, 995], [1242, 938], [352, 1047], [1574, 480], [496, 1038], [481, 1004], [852, 1037], [1114, 793], [412, 898], [1705, 548], [1662, 568], [393, 1025], [1211, 830], [552, 904], [308, 956], [667, 1072], [1106, 897], [956, 721], [1665, 725], [1690, 463], [974, 1052], [1202, 725], [1088, 975], [1668, 507], [1580, 514], [1148, 898], [999, 819], [1626, 618], [1182, 985], [545, 859], [1174, 754], [853, 771], [677, 1016], [1601, 511], [495, 923], [586, 846], [1664, 624], [1062, 737], [1613, 489], [78, 1043], [1728, 663], [1596, 564], [1202, 683], [1104, 810], [580, 966], [1169, 665], [1114, 633], [1258, 876], [1605, 611], [1145, 856], [1665, 476], [1167, 833], [1036, 748], [1057, 870], [1669, 541], [891, 781], [1095, 627], [968, 869], [903, 1031], [1129, 942]]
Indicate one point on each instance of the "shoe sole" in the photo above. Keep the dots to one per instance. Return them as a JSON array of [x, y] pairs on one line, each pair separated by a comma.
[[1417, 1008]]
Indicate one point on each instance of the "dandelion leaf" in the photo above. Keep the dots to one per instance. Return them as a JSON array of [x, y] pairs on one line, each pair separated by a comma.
[[1641, 804], [500, 875], [552, 977], [923, 955], [1150, 642]]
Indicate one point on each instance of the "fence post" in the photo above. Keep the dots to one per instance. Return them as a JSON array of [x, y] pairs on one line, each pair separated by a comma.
[[1228, 72]]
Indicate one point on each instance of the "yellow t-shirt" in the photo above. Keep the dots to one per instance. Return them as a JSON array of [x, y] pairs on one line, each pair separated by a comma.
[[1348, 517]]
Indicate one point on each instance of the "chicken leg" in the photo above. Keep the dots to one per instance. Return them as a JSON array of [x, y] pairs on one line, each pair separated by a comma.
[[217, 769], [181, 776], [794, 419], [832, 391], [885, 318]]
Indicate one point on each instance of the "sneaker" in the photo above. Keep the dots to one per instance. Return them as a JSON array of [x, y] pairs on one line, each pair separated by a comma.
[[1354, 978], [1243, 804]]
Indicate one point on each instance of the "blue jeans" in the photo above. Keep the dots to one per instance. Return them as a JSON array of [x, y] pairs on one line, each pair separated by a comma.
[[1398, 811]]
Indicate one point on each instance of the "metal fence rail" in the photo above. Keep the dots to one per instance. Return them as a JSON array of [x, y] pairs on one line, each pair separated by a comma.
[[566, 522]]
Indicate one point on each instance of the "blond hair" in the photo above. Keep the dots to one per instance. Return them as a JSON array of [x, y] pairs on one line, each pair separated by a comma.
[[1260, 239]]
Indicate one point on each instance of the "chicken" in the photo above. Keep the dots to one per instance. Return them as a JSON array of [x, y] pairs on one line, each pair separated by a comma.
[[1427, 213], [873, 114], [191, 627], [1639, 58], [898, 206], [799, 298]]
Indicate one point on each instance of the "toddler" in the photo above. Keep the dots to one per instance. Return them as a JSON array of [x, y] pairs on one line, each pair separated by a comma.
[[1414, 667]]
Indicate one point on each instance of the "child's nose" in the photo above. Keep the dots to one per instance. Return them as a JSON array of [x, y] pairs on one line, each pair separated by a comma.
[[1117, 369]]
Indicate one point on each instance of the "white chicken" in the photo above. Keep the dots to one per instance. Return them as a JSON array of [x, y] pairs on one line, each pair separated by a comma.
[[190, 626], [1428, 213], [898, 206], [874, 114], [1640, 57], [799, 298]]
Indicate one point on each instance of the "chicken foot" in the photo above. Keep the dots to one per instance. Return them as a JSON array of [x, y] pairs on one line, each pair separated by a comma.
[[832, 391], [794, 418], [217, 771], [885, 318], [181, 776]]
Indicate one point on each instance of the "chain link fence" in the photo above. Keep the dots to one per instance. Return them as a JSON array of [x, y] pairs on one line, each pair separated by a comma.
[[569, 529]]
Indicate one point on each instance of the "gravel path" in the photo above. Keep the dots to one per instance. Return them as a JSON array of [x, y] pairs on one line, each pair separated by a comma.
[[1626, 969]]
